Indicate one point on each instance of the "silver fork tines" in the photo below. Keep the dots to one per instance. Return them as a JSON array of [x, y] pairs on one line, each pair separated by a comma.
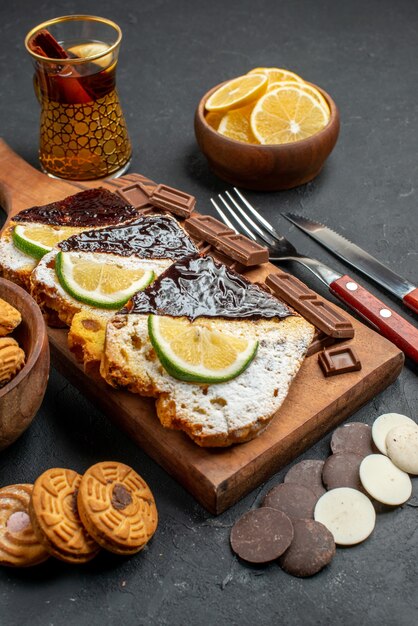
[[234, 213], [250, 228]]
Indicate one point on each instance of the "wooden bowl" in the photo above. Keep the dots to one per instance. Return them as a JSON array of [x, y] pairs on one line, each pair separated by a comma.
[[267, 167], [21, 398]]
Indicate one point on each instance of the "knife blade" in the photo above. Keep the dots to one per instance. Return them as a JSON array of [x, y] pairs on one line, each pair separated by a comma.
[[358, 258]]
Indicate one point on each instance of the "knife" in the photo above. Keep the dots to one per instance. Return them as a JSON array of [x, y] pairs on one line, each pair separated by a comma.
[[358, 258]]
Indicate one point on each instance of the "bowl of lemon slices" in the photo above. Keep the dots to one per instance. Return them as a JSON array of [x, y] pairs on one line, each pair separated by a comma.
[[267, 130]]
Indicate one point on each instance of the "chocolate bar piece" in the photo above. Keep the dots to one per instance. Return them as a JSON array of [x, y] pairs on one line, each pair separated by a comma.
[[319, 341], [237, 247], [339, 360], [207, 228], [137, 195], [173, 200], [306, 302]]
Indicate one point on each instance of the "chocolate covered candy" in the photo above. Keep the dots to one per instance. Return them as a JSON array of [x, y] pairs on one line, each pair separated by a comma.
[[347, 513], [296, 501], [312, 548], [309, 474], [261, 535], [342, 470], [353, 437]]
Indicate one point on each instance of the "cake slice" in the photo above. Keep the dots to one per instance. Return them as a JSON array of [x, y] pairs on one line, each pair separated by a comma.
[[93, 208], [218, 300], [146, 243]]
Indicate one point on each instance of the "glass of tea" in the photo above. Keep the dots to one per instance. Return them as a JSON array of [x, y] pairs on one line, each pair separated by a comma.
[[83, 134]]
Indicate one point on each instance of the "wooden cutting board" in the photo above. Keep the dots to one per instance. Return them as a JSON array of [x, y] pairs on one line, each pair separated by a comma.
[[216, 477]]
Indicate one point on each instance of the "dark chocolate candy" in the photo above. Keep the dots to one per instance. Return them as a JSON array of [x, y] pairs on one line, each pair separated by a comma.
[[314, 308], [354, 437], [92, 207], [309, 474], [296, 501], [200, 287], [154, 237], [338, 360], [173, 200], [312, 548], [342, 470], [261, 535]]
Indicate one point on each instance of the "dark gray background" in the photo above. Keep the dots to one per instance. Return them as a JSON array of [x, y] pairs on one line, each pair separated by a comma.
[[366, 55]]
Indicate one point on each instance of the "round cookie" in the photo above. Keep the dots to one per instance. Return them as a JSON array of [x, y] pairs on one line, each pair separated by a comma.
[[296, 501], [384, 481], [383, 424], [354, 437], [342, 470], [261, 535], [402, 447], [19, 546], [55, 519], [312, 548], [117, 507], [347, 513], [309, 474]]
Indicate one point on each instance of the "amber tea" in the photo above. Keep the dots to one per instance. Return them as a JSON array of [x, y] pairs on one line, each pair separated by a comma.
[[83, 133]]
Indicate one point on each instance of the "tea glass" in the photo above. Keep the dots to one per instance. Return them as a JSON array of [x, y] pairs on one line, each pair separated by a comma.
[[83, 133]]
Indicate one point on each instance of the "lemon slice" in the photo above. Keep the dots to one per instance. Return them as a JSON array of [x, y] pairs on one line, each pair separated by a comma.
[[286, 115], [308, 88], [38, 239], [196, 352], [237, 92], [277, 74], [236, 124], [99, 282], [86, 50], [214, 118]]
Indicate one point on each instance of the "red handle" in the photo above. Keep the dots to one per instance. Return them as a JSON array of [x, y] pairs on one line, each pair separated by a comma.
[[391, 325], [411, 300]]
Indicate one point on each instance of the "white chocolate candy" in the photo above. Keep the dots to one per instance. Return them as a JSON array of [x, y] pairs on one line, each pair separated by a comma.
[[384, 481], [347, 513], [402, 447], [383, 424]]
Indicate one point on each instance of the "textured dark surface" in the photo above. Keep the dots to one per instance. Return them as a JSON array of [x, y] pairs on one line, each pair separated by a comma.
[[365, 55]]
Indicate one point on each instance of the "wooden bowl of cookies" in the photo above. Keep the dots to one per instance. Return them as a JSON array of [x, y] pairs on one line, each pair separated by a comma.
[[21, 397], [266, 167]]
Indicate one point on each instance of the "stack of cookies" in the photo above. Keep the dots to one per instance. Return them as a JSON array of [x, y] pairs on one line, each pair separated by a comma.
[[71, 517]]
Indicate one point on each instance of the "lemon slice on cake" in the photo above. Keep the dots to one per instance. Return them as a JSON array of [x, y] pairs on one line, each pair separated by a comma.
[[38, 239], [99, 281], [196, 351]]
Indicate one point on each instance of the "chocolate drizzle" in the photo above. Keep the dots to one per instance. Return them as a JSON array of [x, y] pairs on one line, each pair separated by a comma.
[[156, 237], [200, 287], [92, 207]]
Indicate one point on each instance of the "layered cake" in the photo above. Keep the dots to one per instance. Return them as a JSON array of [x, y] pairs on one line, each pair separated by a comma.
[[33, 232], [216, 351], [98, 270]]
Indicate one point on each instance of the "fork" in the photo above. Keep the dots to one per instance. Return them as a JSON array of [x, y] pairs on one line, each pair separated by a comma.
[[239, 215]]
